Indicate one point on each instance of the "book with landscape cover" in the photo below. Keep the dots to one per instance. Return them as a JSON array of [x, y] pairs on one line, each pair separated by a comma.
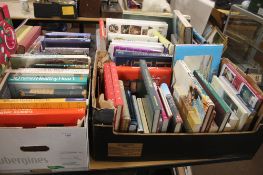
[[146, 90], [223, 111]]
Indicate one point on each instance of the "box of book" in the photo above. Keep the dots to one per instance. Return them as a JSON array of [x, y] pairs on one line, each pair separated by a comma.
[[44, 120], [118, 134]]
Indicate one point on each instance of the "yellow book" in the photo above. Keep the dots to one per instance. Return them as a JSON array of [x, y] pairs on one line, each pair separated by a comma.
[[56, 103], [22, 32]]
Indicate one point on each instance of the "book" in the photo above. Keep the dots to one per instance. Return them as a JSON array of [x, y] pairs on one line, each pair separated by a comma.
[[60, 66], [30, 60], [165, 103], [66, 42], [199, 38], [137, 114], [223, 111], [49, 71], [134, 123], [108, 87], [169, 47], [130, 49], [28, 40], [65, 51], [159, 74], [176, 121], [147, 91], [35, 48], [22, 32], [213, 128], [67, 35], [134, 27], [202, 57], [129, 37], [40, 117], [55, 103], [236, 105], [4, 90], [143, 117], [125, 118], [183, 30]]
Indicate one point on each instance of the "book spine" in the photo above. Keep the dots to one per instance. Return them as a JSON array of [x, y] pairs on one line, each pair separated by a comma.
[[42, 103], [125, 118], [59, 66], [102, 29], [143, 117], [49, 71], [167, 44], [134, 124], [109, 91], [199, 38], [137, 114], [65, 51], [67, 35], [116, 87], [66, 42]]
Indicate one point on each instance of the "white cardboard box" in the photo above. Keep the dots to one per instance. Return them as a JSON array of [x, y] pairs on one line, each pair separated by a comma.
[[59, 149]]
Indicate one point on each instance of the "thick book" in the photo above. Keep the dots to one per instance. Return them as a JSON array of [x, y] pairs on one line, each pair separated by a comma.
[[67, 35], [159, 74], [63, 61], [134, 123], [66, 42], [223, 112], [56, 103], [125, 118], [28, 40], [147, 91], [135, 27], [143, 117], [176, 122], [183, 30], [40, 117], [137, 114]]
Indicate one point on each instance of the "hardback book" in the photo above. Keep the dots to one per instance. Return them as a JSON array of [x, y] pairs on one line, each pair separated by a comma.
[[125, 118], [169, 47], [159, 74], [190, 85], [100, 41], [223, 112], [131, 50], [22, 32], [65, 51], [143, 117], [176, 121], [146, 90], [236, 105], [137, 114], [66, 42], [165, 103], [134, 123], [55, 103], [40, 117], [164, 119], [67, 35], [132, 59], [28, 40], [47, 71], [183, 30], [242, 87], [63, 61], [205, 58], [135, 27], [129, 37]]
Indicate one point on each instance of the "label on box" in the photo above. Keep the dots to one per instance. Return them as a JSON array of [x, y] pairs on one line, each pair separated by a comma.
[[125, 149], [67, 10], [260, 11]]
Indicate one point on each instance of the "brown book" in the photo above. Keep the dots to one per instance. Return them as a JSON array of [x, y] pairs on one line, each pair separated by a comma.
[[89, 8]]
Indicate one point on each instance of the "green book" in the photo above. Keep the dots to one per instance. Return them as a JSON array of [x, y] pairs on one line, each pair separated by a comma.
[[223, 111]]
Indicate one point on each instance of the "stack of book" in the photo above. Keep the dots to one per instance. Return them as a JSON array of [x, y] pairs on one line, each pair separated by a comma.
[[48, 89]]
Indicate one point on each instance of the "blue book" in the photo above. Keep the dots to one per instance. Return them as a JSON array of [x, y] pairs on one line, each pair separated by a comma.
[[134, 124], [205, 58]]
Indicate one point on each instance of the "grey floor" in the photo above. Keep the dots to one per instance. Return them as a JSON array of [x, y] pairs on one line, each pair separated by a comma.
[[247, 167]]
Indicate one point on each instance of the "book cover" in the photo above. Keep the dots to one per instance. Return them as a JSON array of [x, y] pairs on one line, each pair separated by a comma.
[[135, 27], [202, 57], [183, 30], [124, 117], [223, 111], [159, 74], [40, 117], [56, 103], [134, 123], [66, 42], [147, 90], [143, 117], [28, 40], [137, 114], [31, 60], [176, 121], [67, 35]]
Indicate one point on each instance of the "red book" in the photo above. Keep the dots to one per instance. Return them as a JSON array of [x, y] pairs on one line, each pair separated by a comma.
[[109, 91], [28, 40], [40, 117], [159, 74], [116, 86]]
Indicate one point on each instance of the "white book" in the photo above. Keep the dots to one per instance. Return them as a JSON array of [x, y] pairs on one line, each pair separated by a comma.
[[236, 105], [165, 102], [143, 117], [129, 37], [137, 114], [135, 27]]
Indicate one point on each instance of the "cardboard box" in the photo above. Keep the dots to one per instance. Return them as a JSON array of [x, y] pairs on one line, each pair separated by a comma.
[[110, 145]]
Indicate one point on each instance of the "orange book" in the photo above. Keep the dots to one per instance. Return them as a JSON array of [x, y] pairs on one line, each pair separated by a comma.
[[40, 117], [159, 74]]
